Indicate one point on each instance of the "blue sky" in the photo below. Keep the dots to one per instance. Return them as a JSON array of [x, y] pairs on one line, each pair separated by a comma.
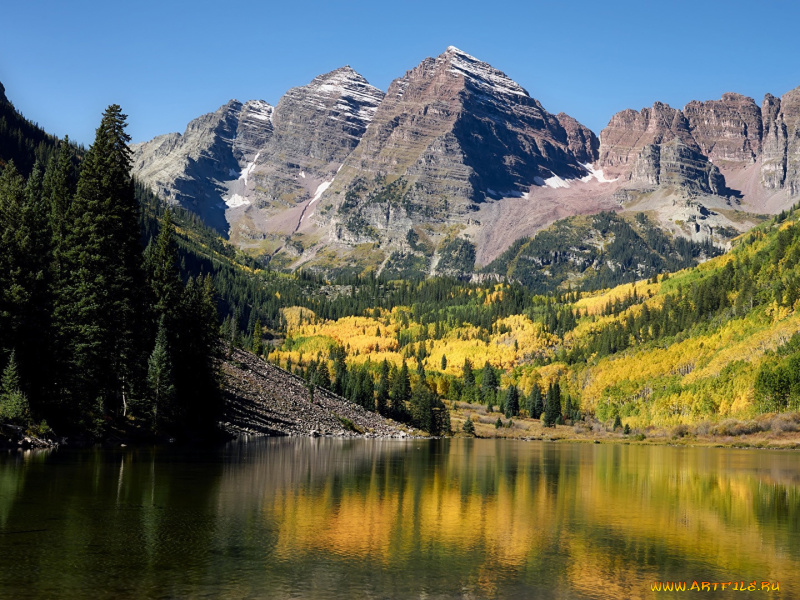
[[168, 62]]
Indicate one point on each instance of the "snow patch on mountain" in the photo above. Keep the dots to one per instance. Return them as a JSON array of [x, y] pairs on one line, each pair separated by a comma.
[[320, 190], [595, 174]]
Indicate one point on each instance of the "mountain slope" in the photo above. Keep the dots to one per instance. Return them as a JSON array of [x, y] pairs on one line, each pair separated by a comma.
[[596, 252], [251, 169]]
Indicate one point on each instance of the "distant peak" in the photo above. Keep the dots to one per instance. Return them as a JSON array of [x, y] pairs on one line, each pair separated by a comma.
[[3, 94], [480, 72], [345, 73]]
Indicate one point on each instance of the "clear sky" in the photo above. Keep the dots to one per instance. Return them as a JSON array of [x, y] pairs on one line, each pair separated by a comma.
[[167, 62]]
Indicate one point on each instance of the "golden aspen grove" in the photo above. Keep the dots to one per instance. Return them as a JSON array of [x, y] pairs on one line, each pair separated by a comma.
[[702, 345]]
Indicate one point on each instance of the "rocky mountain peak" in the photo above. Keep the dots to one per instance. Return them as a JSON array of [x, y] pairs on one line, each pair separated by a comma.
[[3, 94], [481, 75], [344, 92]]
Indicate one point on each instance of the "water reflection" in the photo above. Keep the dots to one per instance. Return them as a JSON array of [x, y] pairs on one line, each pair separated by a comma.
[[322, 518]]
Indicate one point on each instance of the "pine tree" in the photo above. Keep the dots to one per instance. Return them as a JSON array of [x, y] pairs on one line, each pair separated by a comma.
[[197, 379], [323, 377], [535, 405], [99, 303], [14, 406], [382, 397], [161, 264], [160, 380], [552, 409], [512, 401], [258, 333], [469, 427], [25, 302], [488, 378], [467, 375], [401, 390]]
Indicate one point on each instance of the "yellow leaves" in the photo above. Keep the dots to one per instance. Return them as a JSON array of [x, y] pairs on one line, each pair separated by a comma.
[[295, 316], [596, 302]]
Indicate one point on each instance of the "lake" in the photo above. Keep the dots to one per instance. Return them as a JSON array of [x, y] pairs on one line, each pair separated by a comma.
[[461, 518]]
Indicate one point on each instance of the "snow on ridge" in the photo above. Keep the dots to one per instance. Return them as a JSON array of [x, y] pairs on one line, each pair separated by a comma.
[[258, 109], [485, 75]]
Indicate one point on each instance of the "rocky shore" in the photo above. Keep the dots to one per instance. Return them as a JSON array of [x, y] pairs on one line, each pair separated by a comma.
[[261, 398]]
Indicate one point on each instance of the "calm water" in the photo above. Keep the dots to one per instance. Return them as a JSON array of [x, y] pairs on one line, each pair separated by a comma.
[[303, 518]]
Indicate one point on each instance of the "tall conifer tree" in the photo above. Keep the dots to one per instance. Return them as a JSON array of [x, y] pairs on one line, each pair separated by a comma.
[[100, 302]]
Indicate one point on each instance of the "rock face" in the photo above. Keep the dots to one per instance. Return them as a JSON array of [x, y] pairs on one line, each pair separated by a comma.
[[192, 169], [3, 94], [780, 166], [687, 148], [451, 135], [456, 128], [248, 161], [315, 128], [726, 130]]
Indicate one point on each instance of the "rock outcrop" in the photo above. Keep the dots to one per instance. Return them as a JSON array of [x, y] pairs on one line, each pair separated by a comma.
[[733, 133], [252, 160], [780, 167]]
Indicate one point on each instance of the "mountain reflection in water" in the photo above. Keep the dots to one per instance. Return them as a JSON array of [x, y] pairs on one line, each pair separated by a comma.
[[330, 518]]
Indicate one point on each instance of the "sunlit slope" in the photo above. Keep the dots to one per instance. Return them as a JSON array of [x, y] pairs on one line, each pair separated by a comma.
[[700, 344]]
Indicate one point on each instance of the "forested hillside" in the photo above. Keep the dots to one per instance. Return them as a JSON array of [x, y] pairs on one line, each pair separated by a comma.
[[596, 252], [714, 341]]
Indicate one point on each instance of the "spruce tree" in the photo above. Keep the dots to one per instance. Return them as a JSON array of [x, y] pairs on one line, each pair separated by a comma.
[[552, 409], [401, 391], [488, 378], [161, 264], [258, 333], [14, 406], [535, 405], [160, 380], [467, 376], [469, 427], [382, 397], [99, 303], [25, 305], [512, 401]]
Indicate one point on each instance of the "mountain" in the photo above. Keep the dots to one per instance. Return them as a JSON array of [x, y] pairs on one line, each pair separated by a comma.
[[452, 134], [597, 251], [456, 162], [728, 147], [251, 169], [337, 164]]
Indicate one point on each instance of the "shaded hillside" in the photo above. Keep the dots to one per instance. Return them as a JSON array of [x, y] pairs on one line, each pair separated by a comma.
[[594, 252], [21, 140]]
